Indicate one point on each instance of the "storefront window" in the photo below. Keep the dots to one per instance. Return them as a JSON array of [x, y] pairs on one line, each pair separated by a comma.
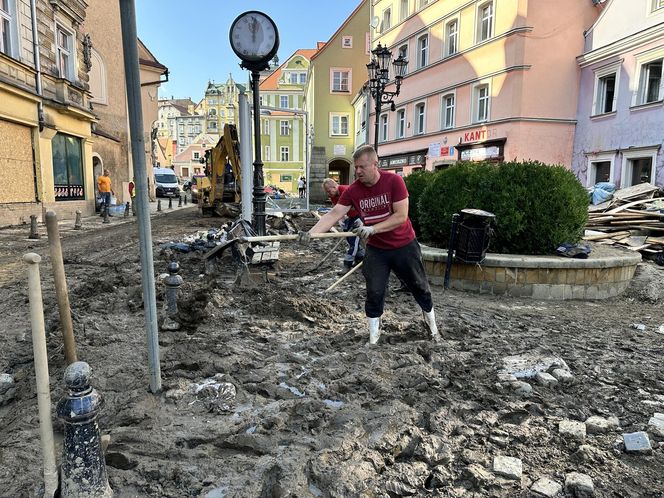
[[68, 168]]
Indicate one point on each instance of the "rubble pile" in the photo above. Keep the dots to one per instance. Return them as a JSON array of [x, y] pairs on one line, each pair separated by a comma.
[[633, 218]]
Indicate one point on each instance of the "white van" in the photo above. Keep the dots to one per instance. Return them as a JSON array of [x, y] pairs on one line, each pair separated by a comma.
[[166, 182]]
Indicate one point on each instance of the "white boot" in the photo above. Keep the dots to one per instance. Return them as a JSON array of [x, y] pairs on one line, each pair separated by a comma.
[[430, 319], [374, 329]]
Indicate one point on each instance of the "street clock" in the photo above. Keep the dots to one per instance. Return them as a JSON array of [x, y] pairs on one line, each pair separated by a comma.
[[255, 39]]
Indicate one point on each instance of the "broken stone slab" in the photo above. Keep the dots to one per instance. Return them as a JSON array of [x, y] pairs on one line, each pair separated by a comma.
[[656, 425], [527, 365], [546, 487], [637, 442], [7, 388], [572, 429], [546, 379], [477, 475], [562, 375], [508, 467], [601, 425], [579, 485], [521, 388], [434, 450]]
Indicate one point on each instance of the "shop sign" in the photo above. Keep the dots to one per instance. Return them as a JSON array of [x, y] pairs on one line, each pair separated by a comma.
[[417, 158], [434, 149], [479, 135], [480, 153], [447, 151], [401, 160]]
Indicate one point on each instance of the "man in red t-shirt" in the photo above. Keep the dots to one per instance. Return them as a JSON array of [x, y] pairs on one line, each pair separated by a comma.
[[355, 252], [381, 199]]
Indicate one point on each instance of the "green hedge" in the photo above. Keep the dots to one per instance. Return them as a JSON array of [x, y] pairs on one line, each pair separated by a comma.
[[416, 183], [537, 206]]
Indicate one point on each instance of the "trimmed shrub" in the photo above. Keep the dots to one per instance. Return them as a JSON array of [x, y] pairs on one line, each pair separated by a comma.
[[416, 183], [537, 206]]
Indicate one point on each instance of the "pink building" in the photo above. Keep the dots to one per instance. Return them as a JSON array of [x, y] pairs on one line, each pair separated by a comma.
[[489, 79]]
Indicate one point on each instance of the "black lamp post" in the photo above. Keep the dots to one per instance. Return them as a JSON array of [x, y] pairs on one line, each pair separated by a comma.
[[379, 76]]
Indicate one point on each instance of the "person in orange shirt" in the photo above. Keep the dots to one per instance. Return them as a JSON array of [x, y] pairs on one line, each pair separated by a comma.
[[104, 184]]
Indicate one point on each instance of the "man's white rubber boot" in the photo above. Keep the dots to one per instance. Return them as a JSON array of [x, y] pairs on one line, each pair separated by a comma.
[[430, 319], [374, 329]]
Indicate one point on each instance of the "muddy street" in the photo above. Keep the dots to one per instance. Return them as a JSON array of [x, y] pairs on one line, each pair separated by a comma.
[[271, 391]]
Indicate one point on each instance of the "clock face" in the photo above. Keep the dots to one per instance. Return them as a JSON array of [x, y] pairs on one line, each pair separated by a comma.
[[254, 37]]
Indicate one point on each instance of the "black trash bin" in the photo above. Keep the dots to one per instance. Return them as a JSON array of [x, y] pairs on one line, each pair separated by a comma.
[[473, 235]]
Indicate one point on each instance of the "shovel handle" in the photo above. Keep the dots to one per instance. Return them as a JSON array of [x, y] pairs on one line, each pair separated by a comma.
[[271, 238]]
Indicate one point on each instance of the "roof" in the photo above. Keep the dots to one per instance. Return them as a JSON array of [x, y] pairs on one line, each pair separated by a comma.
[[146, 57], [343, 25], [271, 82]]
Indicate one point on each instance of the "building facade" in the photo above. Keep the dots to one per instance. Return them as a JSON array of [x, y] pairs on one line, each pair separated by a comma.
[[620, 118], [284, 122], [45, 116], [188, 162], [482, 82], [219, 106], [338, 72]]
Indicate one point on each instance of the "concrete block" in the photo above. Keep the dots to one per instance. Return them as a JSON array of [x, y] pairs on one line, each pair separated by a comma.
[[563, 376], [579, 485], [541, 291], [656, 425], [545, 379], [508, 467], [546, 487], [601, 425], [637, 442], [521, 388]]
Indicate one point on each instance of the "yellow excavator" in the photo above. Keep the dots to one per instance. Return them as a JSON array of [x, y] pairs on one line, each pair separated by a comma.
[[221, 184]]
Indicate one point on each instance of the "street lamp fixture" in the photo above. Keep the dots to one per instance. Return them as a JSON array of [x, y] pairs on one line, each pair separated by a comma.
[[379, 76]]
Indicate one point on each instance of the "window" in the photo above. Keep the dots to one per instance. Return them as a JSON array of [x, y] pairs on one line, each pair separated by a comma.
[[268, 153], [605, 90], [283, 101], [284, 154], [347, 42], [65, 53], [212, 101], [266, 126], [212, 125], [403, 52], [185, 171], [339, 124], [67, 168], [6, 28], [284, 128], [638, 167], [387, 20], [404, 9], [303, 78], [656, 5], [650, 82], [600, 168], [452, 37], [419, 118], [448, 111], [424, 3], [383, 127], [485, 21], [212, 112], [422, 51], [401, 123], [340, 80], [293, 78], [481, 103], [260, 100]]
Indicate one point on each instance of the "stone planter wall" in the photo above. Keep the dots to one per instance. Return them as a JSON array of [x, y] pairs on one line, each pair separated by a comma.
[[602, 275]]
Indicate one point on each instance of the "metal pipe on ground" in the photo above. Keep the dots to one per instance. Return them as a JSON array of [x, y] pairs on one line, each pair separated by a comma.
[[41, 374], [61, 292], [272, 238]]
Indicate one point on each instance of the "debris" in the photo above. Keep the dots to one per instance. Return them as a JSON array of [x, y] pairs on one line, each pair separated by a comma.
[[527, 365], [579, 485], [572, 429], [7, 388], [638, 326], [508, 467], [656, 425], [563, 376], [546, 487], [521, 388], [637, 442], [546, 379], [601, 425]]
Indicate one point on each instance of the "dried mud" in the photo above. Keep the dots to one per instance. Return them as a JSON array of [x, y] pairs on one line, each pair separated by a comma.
[[272, 391]]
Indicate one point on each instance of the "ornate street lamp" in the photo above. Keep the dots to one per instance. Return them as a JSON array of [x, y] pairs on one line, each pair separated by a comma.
[[379, 76]]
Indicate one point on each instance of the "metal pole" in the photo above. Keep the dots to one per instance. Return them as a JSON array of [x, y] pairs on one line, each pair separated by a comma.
[[132, 77], [450, 250], [245, 155], [61, 292], [41, 374], [259, 193]]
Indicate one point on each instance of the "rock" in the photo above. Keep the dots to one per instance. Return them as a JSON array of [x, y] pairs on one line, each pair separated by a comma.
[[637, 442], [563, 376], [500, 441], [579, 485], [572, 429], [508, 467], [601, 425], [546, 487], [521, 388], [546, 379], [587, 454], [656, 425], [433, 450], [7, 388], [477, 475], [638, 326]]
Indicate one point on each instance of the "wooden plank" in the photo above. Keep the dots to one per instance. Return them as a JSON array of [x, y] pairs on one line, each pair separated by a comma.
[[628, 205], [642, 189]]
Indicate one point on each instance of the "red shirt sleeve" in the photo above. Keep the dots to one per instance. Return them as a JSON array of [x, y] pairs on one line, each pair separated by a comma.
[[399, 190], [345, 198]]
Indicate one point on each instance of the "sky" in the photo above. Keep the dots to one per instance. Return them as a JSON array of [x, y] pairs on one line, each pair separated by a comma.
[[191, 37]]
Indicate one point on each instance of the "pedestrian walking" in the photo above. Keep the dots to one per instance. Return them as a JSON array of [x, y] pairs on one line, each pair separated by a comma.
[[355, 252], [301, 186], [381, 199], [105, 190]]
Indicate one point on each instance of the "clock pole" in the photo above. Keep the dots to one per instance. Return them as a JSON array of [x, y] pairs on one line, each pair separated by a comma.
[[259, 191]]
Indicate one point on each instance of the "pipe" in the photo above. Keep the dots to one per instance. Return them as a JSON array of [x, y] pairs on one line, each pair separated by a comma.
[[41, 374], [37, 60], [61, 292], [132, 79], [272, 238], [245, 156]]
